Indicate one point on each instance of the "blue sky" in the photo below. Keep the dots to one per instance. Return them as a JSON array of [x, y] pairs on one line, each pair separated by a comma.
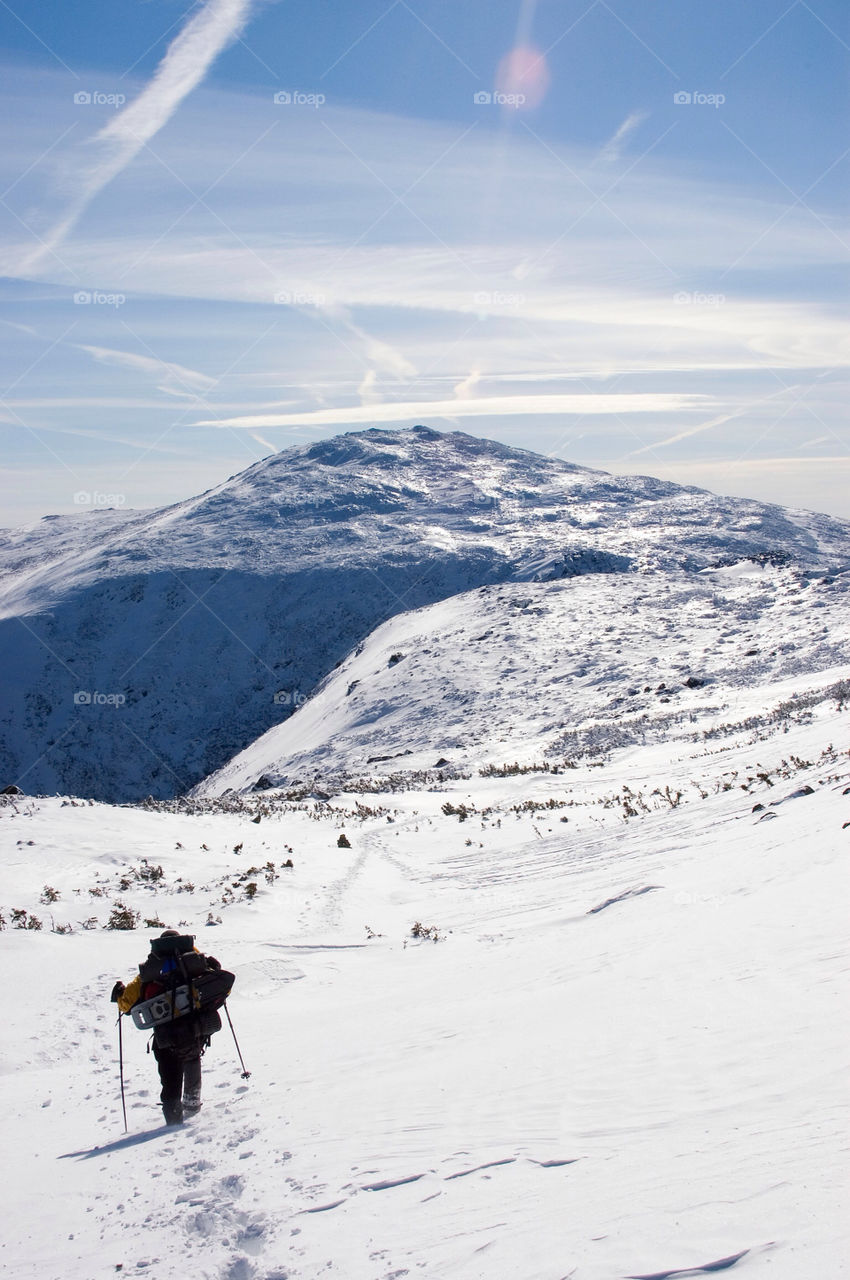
[[612, 232]]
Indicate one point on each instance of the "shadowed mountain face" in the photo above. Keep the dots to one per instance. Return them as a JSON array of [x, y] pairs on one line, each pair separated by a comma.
[[140, 651]]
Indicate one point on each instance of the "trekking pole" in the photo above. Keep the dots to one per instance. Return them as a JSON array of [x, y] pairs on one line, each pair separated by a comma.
[[121, 1071], [246, 1074]]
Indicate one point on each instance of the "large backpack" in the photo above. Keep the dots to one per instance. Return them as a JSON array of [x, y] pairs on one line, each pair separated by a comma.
[[181, 995]]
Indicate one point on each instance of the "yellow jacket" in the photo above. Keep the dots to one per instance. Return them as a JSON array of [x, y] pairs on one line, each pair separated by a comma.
[[132, 991]]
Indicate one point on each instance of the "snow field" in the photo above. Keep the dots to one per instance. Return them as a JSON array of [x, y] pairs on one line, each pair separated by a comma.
[[555, 672], [549, 1090]]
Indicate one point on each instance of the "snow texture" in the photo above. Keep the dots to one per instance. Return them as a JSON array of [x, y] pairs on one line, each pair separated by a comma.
[[559, 672], [546, 1090]]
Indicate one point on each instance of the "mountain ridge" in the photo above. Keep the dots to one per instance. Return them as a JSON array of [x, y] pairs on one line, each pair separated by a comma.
[[543, 675], [209, 621]]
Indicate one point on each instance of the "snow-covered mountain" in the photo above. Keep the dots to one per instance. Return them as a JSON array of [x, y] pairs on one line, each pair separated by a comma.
[[543, 675], [140, 651]]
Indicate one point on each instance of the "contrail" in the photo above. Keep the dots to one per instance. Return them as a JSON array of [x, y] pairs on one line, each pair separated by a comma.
[[186, 62], [713, 422]]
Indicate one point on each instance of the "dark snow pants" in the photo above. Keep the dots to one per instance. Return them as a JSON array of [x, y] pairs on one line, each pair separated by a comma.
[[181, 1082]]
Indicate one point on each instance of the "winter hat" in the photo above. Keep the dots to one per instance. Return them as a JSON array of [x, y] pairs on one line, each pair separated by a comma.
[[169, 933]]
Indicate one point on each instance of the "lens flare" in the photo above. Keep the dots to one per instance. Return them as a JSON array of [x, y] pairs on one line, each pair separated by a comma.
[[523, 77]]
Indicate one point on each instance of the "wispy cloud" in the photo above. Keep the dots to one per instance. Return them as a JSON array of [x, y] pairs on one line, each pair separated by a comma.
[[21, 328], [380, 357], [478, 407], [612, 149], [166, 372], [464, 389], [384, 356], [367, 390], [433, 309], [115, 438], [186, 62]]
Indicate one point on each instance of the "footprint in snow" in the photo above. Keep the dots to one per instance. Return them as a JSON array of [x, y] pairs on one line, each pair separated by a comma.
[[252, 1237], [245, 1136], [232, 1185], [239, 1269]]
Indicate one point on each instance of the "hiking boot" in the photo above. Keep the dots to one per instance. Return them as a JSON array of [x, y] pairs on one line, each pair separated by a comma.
[[191, 1104], [173, 1112]]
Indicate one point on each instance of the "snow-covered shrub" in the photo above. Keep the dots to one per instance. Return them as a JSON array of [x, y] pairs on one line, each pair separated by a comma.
[[460, 811], [430, 932], [23, 920]]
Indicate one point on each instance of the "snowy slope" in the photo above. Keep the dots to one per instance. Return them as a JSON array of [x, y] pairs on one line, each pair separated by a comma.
[[185, 633], [545, 674], [626, 1054]]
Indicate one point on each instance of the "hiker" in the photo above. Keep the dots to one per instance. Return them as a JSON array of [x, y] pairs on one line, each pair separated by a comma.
[[179, 1039]]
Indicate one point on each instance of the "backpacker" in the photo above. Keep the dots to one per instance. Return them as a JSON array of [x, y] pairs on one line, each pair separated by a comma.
[[182, 994]]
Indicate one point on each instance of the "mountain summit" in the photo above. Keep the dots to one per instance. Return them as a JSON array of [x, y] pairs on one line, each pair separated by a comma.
[[141, 650]]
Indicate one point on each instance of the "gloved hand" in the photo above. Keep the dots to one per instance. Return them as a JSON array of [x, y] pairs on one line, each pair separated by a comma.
[[117, 990], [212, 963]]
